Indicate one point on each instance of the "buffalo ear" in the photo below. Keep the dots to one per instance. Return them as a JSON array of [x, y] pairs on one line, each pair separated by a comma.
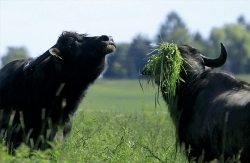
[[55, 52], [52, 51]]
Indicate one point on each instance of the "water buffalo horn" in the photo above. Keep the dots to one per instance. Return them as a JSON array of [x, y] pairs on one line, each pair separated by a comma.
[[37, 60], [218, 61]]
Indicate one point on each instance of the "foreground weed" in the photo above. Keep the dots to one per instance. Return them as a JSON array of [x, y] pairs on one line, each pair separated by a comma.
[[109, 136], [118, 137]]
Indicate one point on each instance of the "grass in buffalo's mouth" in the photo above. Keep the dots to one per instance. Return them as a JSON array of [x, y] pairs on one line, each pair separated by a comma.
[[164, 67]]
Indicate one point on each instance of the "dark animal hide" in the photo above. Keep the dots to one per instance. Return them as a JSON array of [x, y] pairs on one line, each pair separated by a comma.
[[37, 95], [212, 110]]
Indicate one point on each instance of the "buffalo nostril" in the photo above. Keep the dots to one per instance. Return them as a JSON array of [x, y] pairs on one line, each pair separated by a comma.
[[105, 38]]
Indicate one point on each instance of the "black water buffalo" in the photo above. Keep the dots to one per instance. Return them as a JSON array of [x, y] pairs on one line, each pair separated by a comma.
[[37, 95], [211, 110]]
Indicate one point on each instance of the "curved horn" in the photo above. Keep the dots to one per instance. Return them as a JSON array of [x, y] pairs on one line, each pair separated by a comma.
[[37, 60], [218, 61]]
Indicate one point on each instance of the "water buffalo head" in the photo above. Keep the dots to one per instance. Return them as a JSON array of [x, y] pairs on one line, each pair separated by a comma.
[[77, 48], [195, 63]]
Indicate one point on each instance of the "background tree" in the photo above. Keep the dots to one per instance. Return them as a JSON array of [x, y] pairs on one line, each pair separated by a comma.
[[241, 20], [118, 62], [202, 44], [137, 53], [130, 58], [173, 30], [14, 53], [237, 40]]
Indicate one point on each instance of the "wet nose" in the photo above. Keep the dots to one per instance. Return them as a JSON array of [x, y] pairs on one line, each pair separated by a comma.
[[107, 38]]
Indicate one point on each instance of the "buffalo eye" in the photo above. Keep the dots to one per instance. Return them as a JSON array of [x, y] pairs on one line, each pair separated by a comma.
[[194, 50]]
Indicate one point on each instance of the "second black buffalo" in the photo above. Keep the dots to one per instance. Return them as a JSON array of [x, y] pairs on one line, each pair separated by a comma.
[[37, 95], [211, 109]]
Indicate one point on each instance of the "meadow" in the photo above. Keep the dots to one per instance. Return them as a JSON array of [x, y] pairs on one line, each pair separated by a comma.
[[116, 122]]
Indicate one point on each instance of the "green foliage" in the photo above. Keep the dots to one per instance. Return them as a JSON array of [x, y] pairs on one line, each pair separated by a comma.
[[165, 67], [138, 136], [118, 62], [23, 154], [128, 59], [126, 95], [138, 49], [14, 53], [173, 29]]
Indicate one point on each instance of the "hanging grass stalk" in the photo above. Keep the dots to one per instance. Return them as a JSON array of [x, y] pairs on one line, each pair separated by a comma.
[[165, 67]]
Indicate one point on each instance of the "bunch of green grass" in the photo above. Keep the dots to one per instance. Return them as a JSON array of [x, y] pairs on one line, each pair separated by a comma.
[[165, 67]]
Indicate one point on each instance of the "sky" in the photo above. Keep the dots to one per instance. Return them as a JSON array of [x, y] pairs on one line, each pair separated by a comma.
[[36, 24]]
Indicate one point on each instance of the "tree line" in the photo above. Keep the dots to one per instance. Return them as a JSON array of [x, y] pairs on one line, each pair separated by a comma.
[[130, 58]]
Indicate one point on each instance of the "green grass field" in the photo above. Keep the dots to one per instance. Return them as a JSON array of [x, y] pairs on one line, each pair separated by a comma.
[[117, 122], [121, 123], [119, 95]]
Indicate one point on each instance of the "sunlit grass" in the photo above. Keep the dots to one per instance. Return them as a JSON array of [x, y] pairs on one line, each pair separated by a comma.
[[244, 77], [124, 95], [140, 136]]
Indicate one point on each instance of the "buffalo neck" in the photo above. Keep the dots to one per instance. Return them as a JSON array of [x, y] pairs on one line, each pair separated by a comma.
[[79, 74]]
